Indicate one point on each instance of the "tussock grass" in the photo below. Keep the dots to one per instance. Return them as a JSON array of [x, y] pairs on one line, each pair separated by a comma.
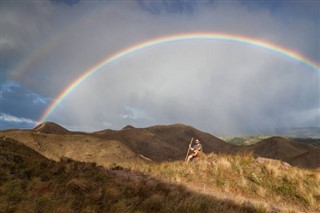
[[269, 182], [238, 183], [32, 183]]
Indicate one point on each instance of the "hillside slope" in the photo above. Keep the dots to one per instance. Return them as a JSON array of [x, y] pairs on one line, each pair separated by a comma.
[[81, 147], [297, 154], [50, 128], [31, 183], [165, 142], [159, 143], [170, 142], [269, 184]]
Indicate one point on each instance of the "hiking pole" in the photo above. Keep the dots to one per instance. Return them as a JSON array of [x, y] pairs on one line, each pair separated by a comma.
[[188, 150]]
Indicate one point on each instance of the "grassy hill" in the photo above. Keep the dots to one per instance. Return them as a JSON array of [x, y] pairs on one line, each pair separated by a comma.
[[249, 140], [311, 141], [270, 185], [297, 154], [158, 143], [244, 140], [81, 147], [40, 171], [50, 128], [165, 142], [309, 132], [30, 182]]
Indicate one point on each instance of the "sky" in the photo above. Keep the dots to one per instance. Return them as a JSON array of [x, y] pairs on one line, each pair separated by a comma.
[[221, 87]]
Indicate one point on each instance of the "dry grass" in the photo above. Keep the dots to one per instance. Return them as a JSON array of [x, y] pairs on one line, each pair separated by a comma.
[[80, 147], [238, 183], [272, 183], [32, 183]]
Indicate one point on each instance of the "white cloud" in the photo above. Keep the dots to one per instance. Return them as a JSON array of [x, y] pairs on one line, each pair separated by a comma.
[[10, 118], [9, 86], [38, 99]]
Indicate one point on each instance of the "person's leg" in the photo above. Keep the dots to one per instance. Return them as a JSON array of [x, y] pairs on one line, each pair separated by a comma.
[[189, 157]]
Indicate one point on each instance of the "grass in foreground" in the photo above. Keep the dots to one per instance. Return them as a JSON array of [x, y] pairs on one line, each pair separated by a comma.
[[242, 177], [31, 183]]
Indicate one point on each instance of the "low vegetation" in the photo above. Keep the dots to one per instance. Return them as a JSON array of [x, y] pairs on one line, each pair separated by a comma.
[[273, 185], [244, 140], [311, 141], [249, 140], [133, 182], [31, 183]]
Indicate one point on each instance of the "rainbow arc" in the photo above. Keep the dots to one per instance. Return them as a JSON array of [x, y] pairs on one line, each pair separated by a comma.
[[172, 39]]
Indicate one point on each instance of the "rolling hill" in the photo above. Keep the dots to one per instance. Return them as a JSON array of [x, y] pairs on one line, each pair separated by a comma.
[[165, 143], [60, 169], [50, 128], [58, 142], [157, 143], [295, 153], [30, 182]]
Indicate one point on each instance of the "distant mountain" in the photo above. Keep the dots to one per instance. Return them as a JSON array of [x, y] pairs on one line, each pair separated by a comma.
[[307, 132], [295, 153], [157, 143], [170, 142], [311, 141], [164, 143], [50, 128]]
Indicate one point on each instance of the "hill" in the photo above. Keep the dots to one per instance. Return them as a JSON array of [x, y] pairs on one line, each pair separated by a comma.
[[297, 154], [244, 140], [50, 128], [82, 147], [311, 141], [165, 142], [310, 158], [249, 140], [268, 184], [230, 181], [157, 143], [30, 182], [310, 132]]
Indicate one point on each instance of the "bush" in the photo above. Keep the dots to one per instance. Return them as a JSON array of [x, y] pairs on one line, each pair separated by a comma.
[[44, 204]]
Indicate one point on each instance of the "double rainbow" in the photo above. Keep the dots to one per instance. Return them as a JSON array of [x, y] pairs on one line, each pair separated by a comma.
[[170, 39]]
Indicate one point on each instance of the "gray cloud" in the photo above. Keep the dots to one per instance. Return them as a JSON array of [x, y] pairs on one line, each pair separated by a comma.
[[222, 87]]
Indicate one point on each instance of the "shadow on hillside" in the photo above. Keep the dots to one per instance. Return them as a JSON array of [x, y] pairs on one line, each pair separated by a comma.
[[30, 181]]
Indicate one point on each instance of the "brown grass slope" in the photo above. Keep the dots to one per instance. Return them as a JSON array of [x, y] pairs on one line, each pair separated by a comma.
[[246, 180], [170, 142], [31, 183], [310, 158], [159, 143], [297, 154], [81, 147], [165, 142], [50, 128]]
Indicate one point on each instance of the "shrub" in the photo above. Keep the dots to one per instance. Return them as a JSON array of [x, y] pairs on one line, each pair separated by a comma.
[[44, 204], [151, 204], [255, 178], [77, 186]]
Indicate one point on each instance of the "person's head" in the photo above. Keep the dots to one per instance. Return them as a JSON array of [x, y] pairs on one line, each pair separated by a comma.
[[197, 141]]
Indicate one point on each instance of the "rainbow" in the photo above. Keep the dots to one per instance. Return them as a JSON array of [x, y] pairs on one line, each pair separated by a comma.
[[176, 38]]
